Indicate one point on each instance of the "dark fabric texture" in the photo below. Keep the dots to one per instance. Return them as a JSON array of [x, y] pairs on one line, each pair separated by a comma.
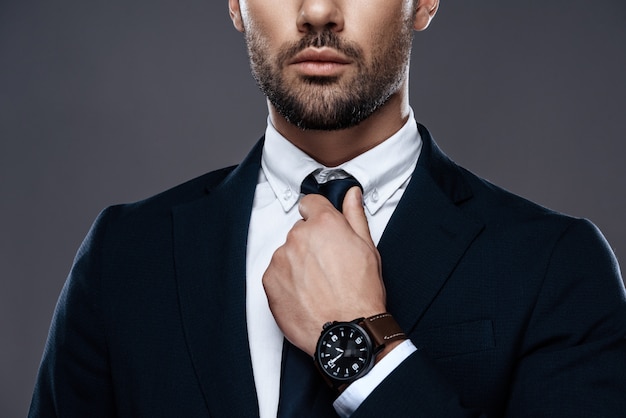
[[303, 393], [333, 190], [517, 311]]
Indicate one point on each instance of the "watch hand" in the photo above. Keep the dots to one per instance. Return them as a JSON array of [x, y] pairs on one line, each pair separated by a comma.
[[336, 358], [339, 349]]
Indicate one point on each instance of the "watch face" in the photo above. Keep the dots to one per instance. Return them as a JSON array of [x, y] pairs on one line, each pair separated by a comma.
[[344, 351]]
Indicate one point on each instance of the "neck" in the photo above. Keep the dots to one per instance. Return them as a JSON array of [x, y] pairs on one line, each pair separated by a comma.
[[333, 148]]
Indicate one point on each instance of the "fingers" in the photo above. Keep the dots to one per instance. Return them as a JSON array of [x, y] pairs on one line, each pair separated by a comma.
[[312, 204], [354, 212]]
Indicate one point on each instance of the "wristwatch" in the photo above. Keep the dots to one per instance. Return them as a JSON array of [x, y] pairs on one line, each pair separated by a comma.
[[347, 351]]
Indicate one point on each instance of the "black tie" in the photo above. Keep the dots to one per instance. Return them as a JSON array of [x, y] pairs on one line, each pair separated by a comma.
[[302, 390], [334, 190]]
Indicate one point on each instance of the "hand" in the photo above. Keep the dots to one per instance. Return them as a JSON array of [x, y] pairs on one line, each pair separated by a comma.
[[328, 270]]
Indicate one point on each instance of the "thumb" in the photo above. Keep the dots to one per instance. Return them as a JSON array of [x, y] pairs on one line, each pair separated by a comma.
[[354, 213]]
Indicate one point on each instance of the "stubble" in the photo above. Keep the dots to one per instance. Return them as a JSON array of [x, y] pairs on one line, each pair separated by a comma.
[[331, 103]]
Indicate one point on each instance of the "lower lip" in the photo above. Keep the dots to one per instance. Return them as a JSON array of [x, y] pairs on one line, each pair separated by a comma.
[[319, 68]]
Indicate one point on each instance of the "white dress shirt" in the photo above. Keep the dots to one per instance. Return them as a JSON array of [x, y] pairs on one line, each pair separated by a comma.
[[384, 172]]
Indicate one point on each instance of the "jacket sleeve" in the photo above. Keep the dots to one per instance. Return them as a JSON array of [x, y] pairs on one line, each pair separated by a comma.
[[572, 359], [574, 352], [74, 378]]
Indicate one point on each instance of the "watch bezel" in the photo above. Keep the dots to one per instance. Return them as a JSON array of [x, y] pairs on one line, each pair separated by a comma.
[[370, 357]]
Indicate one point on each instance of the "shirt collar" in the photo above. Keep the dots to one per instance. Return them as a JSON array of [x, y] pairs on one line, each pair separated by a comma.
[[381, 171]]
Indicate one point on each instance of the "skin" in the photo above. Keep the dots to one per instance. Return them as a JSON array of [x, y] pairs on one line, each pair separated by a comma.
[[329, 269]]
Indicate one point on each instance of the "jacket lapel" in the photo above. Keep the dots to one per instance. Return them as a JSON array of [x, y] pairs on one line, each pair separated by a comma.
[[210, 237], [426, 236]]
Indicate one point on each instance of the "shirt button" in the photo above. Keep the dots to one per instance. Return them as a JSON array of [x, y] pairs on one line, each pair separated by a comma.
[[287, 194], [374, 196]]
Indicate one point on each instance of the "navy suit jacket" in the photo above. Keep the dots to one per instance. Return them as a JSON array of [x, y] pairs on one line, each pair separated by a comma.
[[516, 310]]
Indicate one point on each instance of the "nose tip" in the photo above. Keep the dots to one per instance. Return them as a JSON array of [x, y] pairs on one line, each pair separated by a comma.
[[317, 15]]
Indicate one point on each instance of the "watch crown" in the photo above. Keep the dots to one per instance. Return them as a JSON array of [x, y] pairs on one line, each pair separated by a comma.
[[326, 325]]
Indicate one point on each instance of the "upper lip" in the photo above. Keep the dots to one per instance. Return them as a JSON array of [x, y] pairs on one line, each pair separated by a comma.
[[320, 55]]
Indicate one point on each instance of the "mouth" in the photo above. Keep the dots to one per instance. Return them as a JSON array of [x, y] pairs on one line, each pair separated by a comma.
[[319, 62]]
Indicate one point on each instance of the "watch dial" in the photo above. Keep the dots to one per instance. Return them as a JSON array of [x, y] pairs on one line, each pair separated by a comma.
[[344, 351]]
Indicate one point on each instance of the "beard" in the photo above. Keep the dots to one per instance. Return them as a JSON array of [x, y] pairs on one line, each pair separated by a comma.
[[331, 103]]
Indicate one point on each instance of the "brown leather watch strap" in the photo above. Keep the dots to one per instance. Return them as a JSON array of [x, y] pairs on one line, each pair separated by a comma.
[[383, 329]]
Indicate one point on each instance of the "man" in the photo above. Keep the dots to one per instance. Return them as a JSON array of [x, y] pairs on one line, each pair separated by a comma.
[[210, 299]]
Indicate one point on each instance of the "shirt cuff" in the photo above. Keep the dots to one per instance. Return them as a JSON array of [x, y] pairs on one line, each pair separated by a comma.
[[360, 389]]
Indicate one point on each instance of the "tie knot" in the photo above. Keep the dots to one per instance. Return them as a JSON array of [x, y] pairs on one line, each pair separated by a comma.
[[334, 189]]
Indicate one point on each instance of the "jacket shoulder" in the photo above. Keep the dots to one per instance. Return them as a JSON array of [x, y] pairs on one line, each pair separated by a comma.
[[495, 202], [163, 202]]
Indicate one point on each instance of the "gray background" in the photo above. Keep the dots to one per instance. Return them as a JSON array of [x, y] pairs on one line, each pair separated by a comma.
[[111, 101]]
